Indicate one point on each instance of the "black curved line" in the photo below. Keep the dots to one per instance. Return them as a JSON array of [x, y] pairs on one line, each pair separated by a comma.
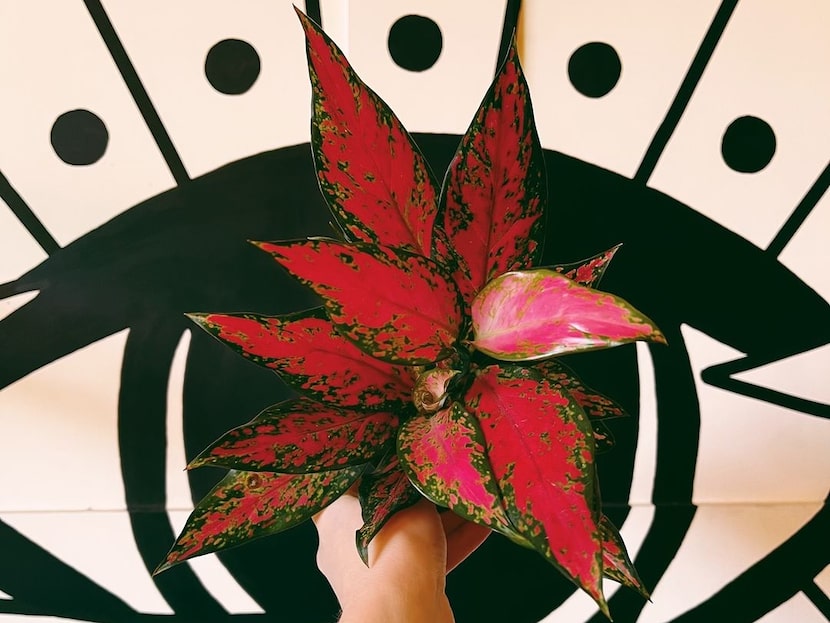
[[801, 212], [684, 93], [510, 27], [26, 217], [720, 376], [312, 10], [818, 597], [39, 582], [678, 434], [137, 90], [11, 288], [142, 436], [773, 580]]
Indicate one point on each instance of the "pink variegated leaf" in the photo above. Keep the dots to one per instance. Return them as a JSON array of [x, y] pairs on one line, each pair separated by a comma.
[[249, 505], [393, 304], [540, 445], [313, 358], [382, 494], [592, 402], [588, 272], [494, 195], [533, 314], [616, 564], [445, 458], [301, 436], [369, 169]]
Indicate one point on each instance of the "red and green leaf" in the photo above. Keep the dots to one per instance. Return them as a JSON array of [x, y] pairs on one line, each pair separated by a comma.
[[494, 196], [444, 456], [313, 358], [540, 445], [533, 314], [616, 564], [603, 438], [588, 272], [382, 494], [300, 436], [249, 505], [592, 402], [393, 304], [369, 169]]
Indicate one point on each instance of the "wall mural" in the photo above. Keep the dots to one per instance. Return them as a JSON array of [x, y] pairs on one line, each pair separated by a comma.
[[144, 143]]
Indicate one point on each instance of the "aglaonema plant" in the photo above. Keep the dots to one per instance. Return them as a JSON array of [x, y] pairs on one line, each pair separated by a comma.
[[430, 369]]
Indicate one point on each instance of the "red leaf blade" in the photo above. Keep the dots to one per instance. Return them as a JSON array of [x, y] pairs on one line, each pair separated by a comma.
[[382, 494], [245, 506], [533, 314], [494, 196], [616, 563], [592, 402], [540, 446], [306, 351], [588, 272], [393, 304], [301, 436], [445, 458], [369, 169]]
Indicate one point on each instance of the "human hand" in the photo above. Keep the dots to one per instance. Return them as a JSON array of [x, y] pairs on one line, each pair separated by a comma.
[[408, 562]]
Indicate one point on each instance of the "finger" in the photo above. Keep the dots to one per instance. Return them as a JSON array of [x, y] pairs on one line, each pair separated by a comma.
[[462, 541]]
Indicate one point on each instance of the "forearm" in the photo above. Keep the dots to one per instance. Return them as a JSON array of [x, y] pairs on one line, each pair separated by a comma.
[[398, 602]]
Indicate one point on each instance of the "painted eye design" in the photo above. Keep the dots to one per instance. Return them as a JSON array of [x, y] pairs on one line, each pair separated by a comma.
[[134, 167]]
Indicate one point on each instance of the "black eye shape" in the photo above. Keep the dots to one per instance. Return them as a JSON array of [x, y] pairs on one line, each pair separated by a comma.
[[594, 69], [79, 137], [748, 144], [232, 66], [415, 42]]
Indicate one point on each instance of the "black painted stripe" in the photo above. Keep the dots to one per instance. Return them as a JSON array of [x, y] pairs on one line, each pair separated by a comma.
[[312, 10], [137, 90], [142, 436], [819, 598], [684, 93], [721, 376], [767, 584], [510, 27], [801, 212], [26, 217]]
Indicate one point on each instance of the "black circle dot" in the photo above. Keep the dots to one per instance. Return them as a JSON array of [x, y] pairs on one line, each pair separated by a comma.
[[79, 137], [232, 66], [415, 42], [594, 69], [748, 144]]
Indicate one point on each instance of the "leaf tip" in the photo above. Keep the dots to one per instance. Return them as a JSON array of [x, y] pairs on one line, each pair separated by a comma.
[[658, 337], [164, 566], [197, 462], [197, 317], [362, 546]]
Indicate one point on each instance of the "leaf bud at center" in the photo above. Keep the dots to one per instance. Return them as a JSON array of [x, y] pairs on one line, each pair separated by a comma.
[[430, 391]]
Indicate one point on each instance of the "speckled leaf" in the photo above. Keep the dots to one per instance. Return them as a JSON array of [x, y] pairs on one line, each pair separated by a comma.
[[382, 494], [395, 305], [592, 402], [616, 564], [445, 458], [588, 272], [540, 445], [249, 505], [369, 169], [494, 195], [533, 314], [312, 357], [299, 436], [603, 438]]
